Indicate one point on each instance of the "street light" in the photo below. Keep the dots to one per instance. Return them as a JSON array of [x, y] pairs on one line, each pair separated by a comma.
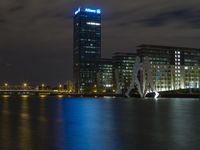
[[6, 84], [25, 84]]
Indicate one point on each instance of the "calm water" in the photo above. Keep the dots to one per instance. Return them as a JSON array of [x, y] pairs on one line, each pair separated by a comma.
[[99, 124]]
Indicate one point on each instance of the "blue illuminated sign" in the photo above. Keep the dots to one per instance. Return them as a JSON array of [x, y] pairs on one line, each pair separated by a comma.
[[77, 11], [97, 11]]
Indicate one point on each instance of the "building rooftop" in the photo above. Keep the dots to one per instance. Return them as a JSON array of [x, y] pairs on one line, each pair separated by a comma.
[[165, 47], [124, 54], [88, 10]]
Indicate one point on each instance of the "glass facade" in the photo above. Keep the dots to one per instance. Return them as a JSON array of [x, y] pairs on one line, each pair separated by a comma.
[[86, 48], [123, 69], [105, 76], [173, 68]]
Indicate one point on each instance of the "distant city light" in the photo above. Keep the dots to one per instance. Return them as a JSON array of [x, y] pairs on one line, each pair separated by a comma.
[[25, 84], [5, 96], [108, 85], [60, 96], [42, 96], [24, 96]]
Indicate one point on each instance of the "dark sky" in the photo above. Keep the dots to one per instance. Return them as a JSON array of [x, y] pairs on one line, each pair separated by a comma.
[[36, 35]]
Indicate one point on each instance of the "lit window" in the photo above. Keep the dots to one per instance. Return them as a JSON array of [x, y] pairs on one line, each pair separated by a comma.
[[93, 23]]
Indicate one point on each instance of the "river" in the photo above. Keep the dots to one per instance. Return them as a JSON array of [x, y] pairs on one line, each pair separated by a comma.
[[54, 123]]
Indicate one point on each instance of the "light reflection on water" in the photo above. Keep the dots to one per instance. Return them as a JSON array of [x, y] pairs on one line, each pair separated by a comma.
[[99, 124]]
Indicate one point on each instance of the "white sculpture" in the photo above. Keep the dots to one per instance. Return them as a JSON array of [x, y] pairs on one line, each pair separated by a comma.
[[118, 88], [143, 68], [135, 80], [147, 70]]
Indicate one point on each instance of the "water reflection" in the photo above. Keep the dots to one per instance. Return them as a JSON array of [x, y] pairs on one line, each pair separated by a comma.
[[89, 125], [96, 124], [5, 124], [184, 117], [24, 128]]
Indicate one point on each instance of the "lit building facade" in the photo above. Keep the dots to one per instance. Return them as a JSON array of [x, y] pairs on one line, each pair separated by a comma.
[[86, 48], [172, 68], [123, 69], [105, 76]]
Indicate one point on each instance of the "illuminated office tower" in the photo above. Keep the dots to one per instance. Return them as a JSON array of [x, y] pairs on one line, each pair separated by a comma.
[[172, 68], [123, 70], [105, 76], [86, 48]]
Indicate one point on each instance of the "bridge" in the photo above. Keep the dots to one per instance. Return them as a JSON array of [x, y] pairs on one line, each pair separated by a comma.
[[26, 89], [32, 92], [42, 91]]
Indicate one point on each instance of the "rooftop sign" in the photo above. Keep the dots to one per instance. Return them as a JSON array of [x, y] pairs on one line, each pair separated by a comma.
[[96, 11], [77, 11]]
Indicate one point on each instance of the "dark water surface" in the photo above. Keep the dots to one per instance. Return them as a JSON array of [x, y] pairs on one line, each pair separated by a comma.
[[99, 124]]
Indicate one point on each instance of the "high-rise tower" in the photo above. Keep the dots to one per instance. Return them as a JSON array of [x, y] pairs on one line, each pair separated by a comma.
[[87, 48]]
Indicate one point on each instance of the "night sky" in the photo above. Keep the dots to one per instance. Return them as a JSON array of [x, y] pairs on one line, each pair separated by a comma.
[[36, 35]]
